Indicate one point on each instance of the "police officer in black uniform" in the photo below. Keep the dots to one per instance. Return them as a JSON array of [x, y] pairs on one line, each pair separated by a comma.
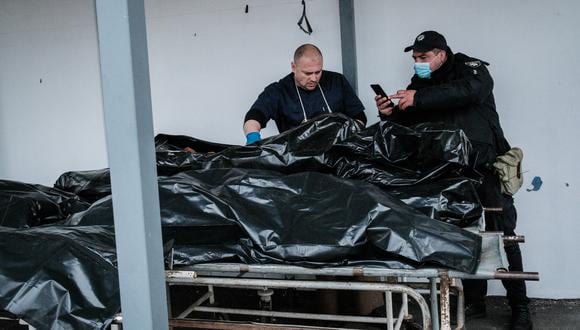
[[458, 90], [305, 93]]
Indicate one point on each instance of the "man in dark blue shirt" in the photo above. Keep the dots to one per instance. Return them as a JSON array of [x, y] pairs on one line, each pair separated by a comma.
[[304, 94]]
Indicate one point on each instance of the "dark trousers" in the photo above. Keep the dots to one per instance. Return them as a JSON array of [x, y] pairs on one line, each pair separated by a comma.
[[505, 221]]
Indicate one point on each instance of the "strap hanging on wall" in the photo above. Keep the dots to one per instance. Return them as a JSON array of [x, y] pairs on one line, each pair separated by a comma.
[[308, 29]]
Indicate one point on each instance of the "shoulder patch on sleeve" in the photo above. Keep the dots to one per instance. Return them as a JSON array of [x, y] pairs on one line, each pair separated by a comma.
[[473, 64]]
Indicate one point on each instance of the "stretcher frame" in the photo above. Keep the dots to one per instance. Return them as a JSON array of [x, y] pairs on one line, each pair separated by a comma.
[[410, 284]]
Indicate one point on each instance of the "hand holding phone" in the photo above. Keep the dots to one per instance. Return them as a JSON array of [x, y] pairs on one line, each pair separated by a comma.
[[379, 91], [383, 105]]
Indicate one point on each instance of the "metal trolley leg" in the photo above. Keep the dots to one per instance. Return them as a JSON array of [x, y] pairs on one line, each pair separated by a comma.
[[434, 303], [444, 282]]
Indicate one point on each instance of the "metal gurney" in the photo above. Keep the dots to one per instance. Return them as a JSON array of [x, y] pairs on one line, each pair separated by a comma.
[[408, 283]]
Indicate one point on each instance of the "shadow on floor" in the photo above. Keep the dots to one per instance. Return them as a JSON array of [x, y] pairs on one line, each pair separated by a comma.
[[547, 314]]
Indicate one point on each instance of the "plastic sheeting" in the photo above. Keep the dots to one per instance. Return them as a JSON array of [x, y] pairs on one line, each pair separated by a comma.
[[25, 205], [60, 278], [175, 153], [423, 159], [324, 193], [88, 185], [385, 154], [452, 200], [296, 219], [390, 155]]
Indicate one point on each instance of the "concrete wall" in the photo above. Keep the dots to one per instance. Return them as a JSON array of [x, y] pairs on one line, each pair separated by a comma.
[[50, 102], [209, 60]]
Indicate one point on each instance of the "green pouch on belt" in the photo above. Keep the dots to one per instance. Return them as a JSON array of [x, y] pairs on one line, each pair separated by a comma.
[[509, 170]]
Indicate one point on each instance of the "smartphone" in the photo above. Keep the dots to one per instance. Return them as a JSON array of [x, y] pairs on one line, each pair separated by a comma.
[[379, 90]]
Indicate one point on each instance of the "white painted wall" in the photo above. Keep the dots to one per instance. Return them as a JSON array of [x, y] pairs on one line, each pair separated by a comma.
[[209, 60], [532, 47], [55, 125]]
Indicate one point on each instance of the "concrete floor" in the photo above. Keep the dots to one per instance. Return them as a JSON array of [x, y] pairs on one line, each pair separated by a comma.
[[546, 314]]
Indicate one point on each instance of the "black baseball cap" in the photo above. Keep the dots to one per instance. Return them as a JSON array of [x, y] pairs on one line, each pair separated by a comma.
[[428, 40]]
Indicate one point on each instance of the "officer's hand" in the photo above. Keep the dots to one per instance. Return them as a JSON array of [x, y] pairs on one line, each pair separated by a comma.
[[406, 98], [384, 105]]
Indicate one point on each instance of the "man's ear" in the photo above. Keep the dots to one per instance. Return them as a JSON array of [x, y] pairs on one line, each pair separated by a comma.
[[293, 66]]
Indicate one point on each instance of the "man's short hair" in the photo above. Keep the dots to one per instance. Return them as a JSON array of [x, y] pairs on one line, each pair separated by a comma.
[[305, 49]]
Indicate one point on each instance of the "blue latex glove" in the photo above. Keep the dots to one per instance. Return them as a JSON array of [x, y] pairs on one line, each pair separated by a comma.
[[252, 137]]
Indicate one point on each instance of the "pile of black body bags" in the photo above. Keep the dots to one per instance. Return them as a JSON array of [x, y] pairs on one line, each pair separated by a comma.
[[323, 194]]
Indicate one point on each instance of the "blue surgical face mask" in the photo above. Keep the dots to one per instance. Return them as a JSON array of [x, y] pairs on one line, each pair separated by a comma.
[[423, 70]]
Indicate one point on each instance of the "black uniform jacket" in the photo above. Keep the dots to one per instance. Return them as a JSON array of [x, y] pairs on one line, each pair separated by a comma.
[[279, 101], [460, 95]]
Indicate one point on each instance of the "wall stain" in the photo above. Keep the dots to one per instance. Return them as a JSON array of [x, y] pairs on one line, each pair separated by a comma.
[[536, 184]]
